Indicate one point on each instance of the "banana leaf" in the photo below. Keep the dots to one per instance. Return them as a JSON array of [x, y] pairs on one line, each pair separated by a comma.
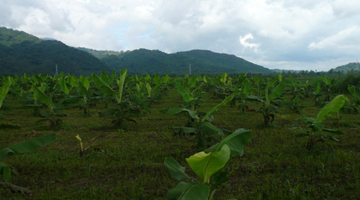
[[235, 141], [184, 93], [330, 108], [207, 164], [41, 96], [225, 101], [120, 83], [278, 91], [175, 169], [4, 90], [27, 146], [63, 86]]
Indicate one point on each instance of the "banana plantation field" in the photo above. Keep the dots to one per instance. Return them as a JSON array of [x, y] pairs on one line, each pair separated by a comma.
[[116, 136]]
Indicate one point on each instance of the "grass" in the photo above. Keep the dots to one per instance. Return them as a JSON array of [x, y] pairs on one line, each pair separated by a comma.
[[128, 163]]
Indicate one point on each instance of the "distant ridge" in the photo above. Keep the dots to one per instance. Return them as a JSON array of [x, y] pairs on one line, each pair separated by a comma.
[[353, 66], [100, 53], [23, 53], [47, 38], [143, 61]]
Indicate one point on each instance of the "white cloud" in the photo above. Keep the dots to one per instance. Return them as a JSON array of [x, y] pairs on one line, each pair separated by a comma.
[[245, 43], [289, 32], [348, 38]]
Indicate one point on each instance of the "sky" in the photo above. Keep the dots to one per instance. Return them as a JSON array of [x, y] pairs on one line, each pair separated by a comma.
[[278, 34]]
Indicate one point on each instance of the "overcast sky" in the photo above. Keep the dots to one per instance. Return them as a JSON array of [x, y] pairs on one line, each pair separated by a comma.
[[286, 34]]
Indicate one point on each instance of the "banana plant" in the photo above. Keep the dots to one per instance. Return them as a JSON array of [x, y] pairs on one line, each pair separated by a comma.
[[315, 125], [85, 98], [296, 89], [223, 85], [126, 108], [192, 99], [6, 170], [200, 124], [87, 101], [256, 80], [36, 105], [352, 105], [268, 107], [104, 82], [294, 105], [327, 87], [3, 92], [209, 165], [323, 91], [145, 91], [63, 86], [244, 96], [52, 117], [306, 89], [317, 94]]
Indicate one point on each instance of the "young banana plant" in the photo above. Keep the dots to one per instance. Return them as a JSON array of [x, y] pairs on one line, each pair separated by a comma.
[[315, 125], [352, 105], [83, 91], [191, 99], [52, 117], [126, 107], [268, 108], [209, 165], [294, 105], [200, 126]]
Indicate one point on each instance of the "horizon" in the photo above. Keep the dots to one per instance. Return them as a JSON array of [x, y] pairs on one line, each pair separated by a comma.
[[293, 35], [121, 51]]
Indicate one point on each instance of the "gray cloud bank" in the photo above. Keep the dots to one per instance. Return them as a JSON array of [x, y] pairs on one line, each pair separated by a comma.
[[288, 34]]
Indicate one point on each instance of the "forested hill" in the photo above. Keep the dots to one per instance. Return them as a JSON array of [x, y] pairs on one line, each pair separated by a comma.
[[23, 53], [348, 68], [143, 61]]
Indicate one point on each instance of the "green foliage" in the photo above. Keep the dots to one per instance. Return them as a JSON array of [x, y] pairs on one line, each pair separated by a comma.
[[3, 92], [274, 166], [315, 126], [24, 53], [209, 166], [200, 123], [43, 98], [268, 107], [120, 84], [52, 116], [294, 105], [348, 68], [127, 108], [81, 144], [144, 61], [19, 148], [9, 37], [341, 85], [352, 104]]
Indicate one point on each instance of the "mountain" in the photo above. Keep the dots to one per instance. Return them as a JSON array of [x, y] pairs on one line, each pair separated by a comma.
[[285, 71], [347, 68], [143, 61], [9, 37], [23, 53], [100, 54], [48, 38]]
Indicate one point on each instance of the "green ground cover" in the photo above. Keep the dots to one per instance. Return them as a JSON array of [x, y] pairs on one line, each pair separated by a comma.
[[128, 162]]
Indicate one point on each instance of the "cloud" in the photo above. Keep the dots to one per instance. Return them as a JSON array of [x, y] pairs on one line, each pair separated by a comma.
[[269, 32], [348, 38], [245, 43]]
